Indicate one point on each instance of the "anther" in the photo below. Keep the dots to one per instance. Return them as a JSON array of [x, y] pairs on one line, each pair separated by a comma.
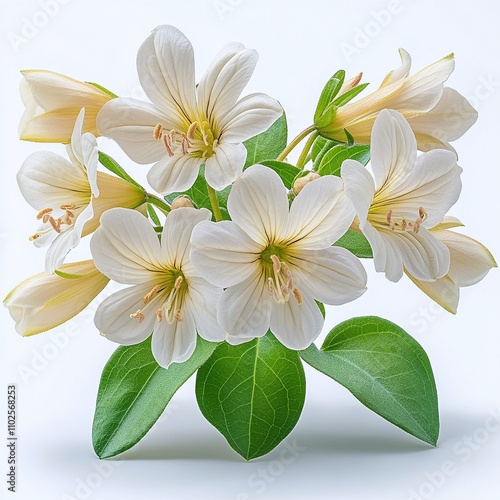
[[177, 315], [151, 294], [178, 282], [191, 131], [35, 237], [158, 131], [43, 213], [297, 295], [137, 315], [56, 224], [159, 315]]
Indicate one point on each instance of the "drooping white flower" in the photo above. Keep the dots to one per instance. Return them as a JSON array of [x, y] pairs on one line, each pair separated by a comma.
[[167, 296], [71, 195], [275, 261], [53, 102], [408, 195], [436, 114], [45, 301], [186, 125], [470, 261]]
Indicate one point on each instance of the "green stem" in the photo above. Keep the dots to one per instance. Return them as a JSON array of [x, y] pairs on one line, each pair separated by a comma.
[[294, 143], [303, 156], [158, 202], [214, 202]]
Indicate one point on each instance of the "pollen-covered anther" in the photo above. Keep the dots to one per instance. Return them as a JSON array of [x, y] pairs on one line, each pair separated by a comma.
[[34, 237], [297, 295], [55, 223], [43, 213], [169, 141], [151, 294], [137, 315], [191, 131], [159, 315], [158, 131], [178, 282], [178, 316]]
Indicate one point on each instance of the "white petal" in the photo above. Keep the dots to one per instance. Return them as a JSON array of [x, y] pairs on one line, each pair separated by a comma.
[[48, 180], [113, 320], [296, 325], [331, 275], [393, 150], [174, 343], [202, 303], [131, 123], [401, 72], [243, 310], [443, 291], [249, 117], [359, 187], [223, 253], [174, 173], [224, 80], [470, 260], [320, 214], [225, 165], [175, 239], [258, 203], [125, 247], [76, 140], [165, 64], [90, 160]]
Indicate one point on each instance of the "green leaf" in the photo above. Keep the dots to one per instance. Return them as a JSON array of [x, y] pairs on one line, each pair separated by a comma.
[[386, 369], [133, 393], [286, 171], [330, 90], [349, 95], [356, 243], [269, 144], [108, 162], [252, 394], [332, 160]]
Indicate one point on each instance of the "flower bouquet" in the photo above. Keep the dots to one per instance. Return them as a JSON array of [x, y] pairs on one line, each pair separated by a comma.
[[224, 269]]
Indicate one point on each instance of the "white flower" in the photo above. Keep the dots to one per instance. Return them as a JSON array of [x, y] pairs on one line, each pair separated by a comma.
[[45, 301], [470, 262], [186, 126], [409, 195], [167, 296], [436, 114], [71, 195], [53, 102], [274, 261]]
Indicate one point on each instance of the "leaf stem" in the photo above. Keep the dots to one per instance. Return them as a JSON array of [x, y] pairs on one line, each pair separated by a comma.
[[158, 202], [303, 156], [294, 143], [214, 202]]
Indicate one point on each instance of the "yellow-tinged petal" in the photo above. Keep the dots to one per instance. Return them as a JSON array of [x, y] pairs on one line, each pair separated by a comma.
[[53, 102], [45, 301]]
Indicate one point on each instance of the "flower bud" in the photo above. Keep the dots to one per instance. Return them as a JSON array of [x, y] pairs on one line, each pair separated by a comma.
[[182, 201], [299, 183]]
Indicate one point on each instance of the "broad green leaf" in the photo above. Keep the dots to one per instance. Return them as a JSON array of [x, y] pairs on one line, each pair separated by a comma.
[[332, 160], [356, 243], [113, 166], [133, 392], [252, 394], [386, 369], [286, 171], [267, 145]]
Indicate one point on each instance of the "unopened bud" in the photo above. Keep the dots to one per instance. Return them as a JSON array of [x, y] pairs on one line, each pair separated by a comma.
[[350, 84], [299, 184], [182, 201]]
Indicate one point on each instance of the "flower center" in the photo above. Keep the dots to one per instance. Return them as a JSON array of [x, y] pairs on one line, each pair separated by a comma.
[[401, 224], [57, 224], [175, 288], [198, 141], [279, 276]]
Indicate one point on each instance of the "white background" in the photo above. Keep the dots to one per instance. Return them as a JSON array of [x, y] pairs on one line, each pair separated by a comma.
[[342, 450]]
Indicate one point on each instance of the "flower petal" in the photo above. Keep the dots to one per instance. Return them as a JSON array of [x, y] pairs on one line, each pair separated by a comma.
[[258, 203], [249, 117], [401, 72], [131, 124], [225, 165], [359, 187], [243, 310], [296, 325], [165, 64], [125, 247], [174, 343], [223, 253], [113, 320], [226, 77], [444, 291], [320, 214], [174, 173], [331, 275]]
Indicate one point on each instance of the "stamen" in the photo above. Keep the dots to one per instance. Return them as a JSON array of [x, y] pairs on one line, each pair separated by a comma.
[[281, 284], [137, 315], [43, 213], [35, 237], [191, 131], [297, 295], [68, 206], [177, 315], [178, 282], [185, 145], [159, 315], [158, 131], [401, 224], [168, 142], [151, 294], [56, 224]]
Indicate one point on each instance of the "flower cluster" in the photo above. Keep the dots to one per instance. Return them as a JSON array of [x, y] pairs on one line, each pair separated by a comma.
[[254, 248]]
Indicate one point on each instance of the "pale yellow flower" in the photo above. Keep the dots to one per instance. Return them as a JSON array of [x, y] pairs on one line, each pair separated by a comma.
[[45, 301], [53, 102]]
